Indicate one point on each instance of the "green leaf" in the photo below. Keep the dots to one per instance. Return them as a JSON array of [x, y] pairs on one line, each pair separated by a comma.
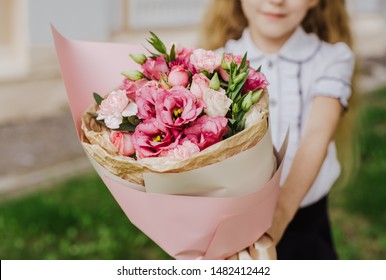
[[134, 120], [125, 126], [157, 43], [258, 69], [98, 99], [244, 61], [240, 125], [172, 56], [235, 90], [231, 121], [206, 73]]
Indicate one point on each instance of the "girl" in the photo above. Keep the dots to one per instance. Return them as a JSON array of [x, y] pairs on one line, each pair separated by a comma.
[[303, 48]]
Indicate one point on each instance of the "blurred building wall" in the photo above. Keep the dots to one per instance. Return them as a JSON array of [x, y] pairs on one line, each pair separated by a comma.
[[13, 38], [24, 24], [82, 19]]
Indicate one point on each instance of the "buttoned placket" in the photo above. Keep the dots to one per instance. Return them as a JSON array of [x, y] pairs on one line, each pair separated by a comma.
[[271, 70]]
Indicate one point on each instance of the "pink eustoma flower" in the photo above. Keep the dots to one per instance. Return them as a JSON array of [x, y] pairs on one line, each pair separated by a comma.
[[146, 99], [206, 131], [151, 138], [255, 81], [154, 68], [132, 86], [177, 107], [178, 76], [122, 141], [183, 58], [199, 84]]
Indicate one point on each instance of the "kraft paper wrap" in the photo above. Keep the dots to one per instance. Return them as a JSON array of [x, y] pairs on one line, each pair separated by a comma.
[[95, 140], [186, 227]]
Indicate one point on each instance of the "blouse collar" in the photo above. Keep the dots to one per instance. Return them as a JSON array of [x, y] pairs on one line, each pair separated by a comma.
[[298, 48]]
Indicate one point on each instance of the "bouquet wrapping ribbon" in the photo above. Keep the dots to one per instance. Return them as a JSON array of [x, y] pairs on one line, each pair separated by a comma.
[[186, 227]]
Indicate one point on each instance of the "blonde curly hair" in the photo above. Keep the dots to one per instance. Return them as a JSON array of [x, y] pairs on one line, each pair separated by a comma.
[[225, 20]]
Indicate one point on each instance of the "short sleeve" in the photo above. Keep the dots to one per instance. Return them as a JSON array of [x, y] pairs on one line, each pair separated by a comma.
[[335, 78]]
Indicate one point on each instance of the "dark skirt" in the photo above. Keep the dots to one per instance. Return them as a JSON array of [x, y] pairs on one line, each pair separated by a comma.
[[308, 236]]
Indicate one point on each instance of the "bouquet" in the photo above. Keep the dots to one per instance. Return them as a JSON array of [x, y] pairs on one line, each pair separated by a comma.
[[183, 142]]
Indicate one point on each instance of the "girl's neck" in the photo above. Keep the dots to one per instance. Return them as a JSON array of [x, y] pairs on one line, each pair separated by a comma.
[[269, 45]]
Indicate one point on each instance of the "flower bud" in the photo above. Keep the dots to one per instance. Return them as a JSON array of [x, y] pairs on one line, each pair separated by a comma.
[[133, 75], [256, 95], [224, 64], [240, 77], [139, 58], [214, 82], [247, 102], [235, 108]]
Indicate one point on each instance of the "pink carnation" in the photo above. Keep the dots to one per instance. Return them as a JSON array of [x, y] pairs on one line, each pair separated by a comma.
[[205, 60], [185, 150], [114, 107], [151, 138], [122, 141], [177, 107], [206, 131]]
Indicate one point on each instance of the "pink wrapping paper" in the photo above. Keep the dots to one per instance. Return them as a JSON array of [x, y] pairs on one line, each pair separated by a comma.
[[186, 227]]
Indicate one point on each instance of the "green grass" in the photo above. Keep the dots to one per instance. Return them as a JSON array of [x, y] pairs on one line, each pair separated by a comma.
[[359, 209], [79, 219]]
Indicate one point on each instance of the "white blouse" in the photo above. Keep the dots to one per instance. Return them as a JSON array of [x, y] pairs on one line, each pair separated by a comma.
[[304, 67]]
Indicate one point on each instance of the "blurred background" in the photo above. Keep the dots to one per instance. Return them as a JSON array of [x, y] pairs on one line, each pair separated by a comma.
[[52, 203]]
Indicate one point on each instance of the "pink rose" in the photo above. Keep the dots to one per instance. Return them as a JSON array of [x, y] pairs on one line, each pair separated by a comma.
[[255, 80], [151, 138], [178, 76], [177, 107], [122, 141], [154, 68], [132, 86], [114, 107], [206, 131], [205, 60], [185, 150], [199, 84], [146, 99]]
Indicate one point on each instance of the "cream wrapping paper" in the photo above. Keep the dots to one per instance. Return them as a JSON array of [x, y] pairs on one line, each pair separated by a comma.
[[186, 227]]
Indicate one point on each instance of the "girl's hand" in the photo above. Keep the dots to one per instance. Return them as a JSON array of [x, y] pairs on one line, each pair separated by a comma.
[[262, 249]]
